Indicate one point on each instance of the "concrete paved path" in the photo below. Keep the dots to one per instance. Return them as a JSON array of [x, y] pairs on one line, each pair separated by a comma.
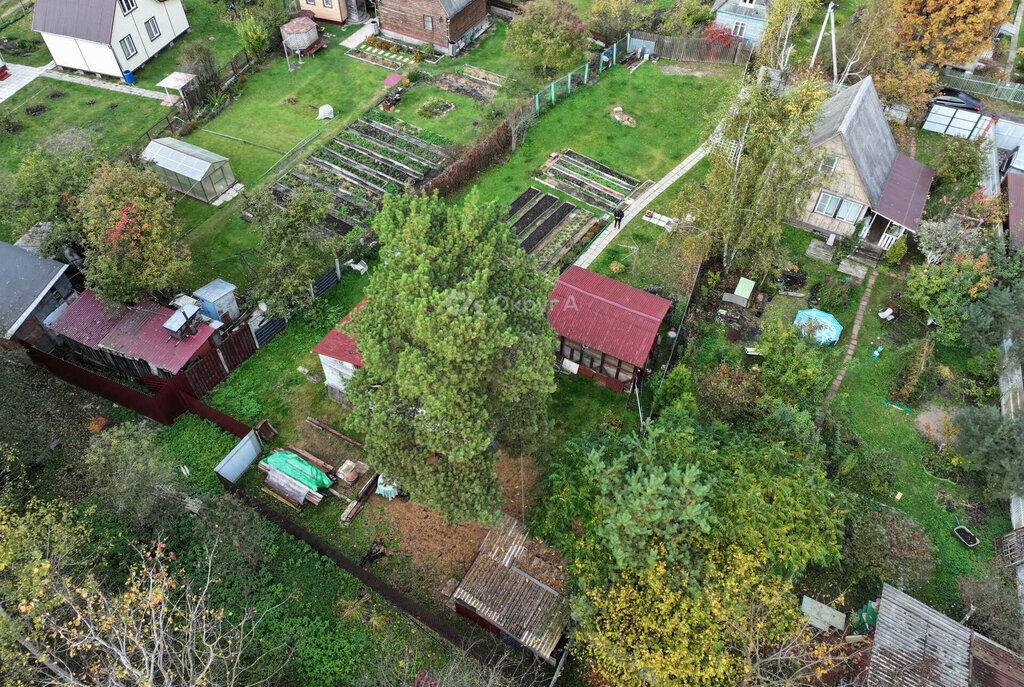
[[853, 337], [638, 206], [20, 77], [359, 37], [110, 86]]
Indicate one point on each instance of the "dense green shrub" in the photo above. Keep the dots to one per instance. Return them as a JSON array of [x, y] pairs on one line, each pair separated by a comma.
[[993, 443], [896, 251], [888, 546]]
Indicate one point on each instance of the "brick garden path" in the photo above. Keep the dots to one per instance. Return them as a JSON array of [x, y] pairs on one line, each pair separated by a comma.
[[853, 338], [637, 207]]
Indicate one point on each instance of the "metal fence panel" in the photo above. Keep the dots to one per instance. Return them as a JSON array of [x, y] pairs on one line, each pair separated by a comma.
[[238, 460], [238, 346], [207, 373], [1000, 90]]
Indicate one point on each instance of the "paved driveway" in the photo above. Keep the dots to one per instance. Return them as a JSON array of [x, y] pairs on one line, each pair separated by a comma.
[[20, 77]]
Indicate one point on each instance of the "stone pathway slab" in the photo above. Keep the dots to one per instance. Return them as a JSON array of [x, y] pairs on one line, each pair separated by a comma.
[[111, 86], [819, 250], [359, 37], [20, 77], [854, 269]]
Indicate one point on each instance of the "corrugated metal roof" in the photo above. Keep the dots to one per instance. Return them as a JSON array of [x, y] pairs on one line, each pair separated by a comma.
[[917, 645], [857, 114], [89, 20], [1015, 194], [298, 25], [905, 192], [190, 161], [501, 591], [341, 346], [136, 332], [88, 319], [606, 315], [24, 281], [453, 7]]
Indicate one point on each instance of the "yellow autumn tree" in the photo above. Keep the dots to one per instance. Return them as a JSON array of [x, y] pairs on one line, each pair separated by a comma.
[[951, 31]]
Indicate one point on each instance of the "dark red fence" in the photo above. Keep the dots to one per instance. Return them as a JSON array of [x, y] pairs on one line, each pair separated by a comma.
[[238, 346], [172, 398], [207, 373]]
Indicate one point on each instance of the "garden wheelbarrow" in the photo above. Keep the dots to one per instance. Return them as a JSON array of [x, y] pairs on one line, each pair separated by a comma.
[[966, 537]]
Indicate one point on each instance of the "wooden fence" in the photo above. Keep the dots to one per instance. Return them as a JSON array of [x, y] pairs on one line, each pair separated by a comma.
[[691, 49], [990, 88]]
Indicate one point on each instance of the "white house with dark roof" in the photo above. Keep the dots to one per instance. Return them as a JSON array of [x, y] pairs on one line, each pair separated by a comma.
[[108, 37], [866, 179]]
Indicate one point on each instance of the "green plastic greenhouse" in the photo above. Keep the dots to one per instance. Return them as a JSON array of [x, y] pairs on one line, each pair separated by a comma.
[[189, 169]]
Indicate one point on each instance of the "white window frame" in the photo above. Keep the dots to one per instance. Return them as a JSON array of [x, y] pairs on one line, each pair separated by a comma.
[[329, 4], [152, 29], [124, 47], [827, 204], [748, 2], [828, 164], [311, 2], [127, 6], [428, 22], [739, 28], [849, 211]]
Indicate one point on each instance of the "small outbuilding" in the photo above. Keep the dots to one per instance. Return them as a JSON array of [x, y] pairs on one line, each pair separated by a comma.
[[339, 357], [606, 329], [33, 290], [513, 590], [300, 35], [189, 169]]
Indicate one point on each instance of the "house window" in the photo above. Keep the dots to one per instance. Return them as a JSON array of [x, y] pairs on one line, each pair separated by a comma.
[[128, 46], [152, 28], [849, 211], [748, 2], [127, 6], [828, 164], [428, 22], [328, 3], [310, 2], [827, 204], [739, 28]]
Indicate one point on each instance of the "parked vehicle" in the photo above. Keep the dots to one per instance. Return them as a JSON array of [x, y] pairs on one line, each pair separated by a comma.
[[951, 97], [1014, 162]]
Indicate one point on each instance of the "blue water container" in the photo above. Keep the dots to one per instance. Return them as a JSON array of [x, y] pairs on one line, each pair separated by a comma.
[[129, 78]]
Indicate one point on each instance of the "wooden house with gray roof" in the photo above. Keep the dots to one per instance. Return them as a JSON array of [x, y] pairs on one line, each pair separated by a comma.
[[514, 590], [917, 646], [447, 25], [865, 178]]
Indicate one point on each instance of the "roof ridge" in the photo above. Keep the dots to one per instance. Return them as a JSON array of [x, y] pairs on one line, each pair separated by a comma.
[[858, 100]]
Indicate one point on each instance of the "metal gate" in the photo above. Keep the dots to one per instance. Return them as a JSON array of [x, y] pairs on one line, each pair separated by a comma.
[[954, 122], [238, 346]]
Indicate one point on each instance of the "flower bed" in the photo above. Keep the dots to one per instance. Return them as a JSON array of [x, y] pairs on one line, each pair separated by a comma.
[[435, 108], [375, 59]]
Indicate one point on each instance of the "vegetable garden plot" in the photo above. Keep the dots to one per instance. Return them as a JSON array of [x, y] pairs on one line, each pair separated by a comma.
[[378, 60], [521, 201], [362, 164], [589, 181], [534, 213], [566, 237], [607, 205], [547, 226], [475, 88], [584, 161]]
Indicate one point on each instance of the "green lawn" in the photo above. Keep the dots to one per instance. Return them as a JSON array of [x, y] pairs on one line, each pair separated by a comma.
[[467, 122], [206, 19], [929, 146], [673, 113], [490, 54], [109, 129], [21, 30], [860, 402]]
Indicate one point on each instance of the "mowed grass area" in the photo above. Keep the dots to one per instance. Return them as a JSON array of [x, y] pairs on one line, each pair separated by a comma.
[[109, 129], [270, 127], [21, 30], [467, 122], [206, 19], [673, 114]]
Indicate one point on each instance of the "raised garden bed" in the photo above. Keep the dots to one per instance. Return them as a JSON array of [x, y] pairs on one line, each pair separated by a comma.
[[478, 89], [496, 80], [581, 193], [546, 227], [584, 161], [521, 201], [396, 172], [435, 108], [593, 188], [534, 213], [564, 238], [375, 59], [390, 124], [371, 145], [614, 186]]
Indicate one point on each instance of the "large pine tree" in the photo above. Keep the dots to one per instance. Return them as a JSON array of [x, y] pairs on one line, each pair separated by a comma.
[[457, 352]]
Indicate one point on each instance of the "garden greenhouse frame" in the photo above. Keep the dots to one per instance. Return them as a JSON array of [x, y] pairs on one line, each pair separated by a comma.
[[189, 169]]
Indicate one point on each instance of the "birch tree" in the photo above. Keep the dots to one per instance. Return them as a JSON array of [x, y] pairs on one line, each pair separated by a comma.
[[761, 174], [785, 18]]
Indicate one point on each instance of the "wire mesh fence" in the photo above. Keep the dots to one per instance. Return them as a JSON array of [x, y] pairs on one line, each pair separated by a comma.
[[588, 73]]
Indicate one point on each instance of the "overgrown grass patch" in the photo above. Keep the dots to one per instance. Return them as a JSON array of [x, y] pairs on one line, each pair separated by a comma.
[[198, 445]]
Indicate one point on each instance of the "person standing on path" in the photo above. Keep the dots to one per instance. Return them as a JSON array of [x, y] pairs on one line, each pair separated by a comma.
[[618, 215]]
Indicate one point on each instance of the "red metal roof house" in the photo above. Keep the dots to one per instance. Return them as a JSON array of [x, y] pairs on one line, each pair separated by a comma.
[[1015, 216], [606, 329], [339, 358], [132, 340]]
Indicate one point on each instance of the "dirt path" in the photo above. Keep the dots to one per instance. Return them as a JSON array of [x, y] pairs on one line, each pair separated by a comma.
[[853, 338]]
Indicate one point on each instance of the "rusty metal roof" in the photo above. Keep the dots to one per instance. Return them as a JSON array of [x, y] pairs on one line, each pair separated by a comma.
[[606, 315]]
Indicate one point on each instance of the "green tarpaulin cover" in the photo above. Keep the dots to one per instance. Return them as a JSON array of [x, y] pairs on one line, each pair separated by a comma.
[[298, 469]]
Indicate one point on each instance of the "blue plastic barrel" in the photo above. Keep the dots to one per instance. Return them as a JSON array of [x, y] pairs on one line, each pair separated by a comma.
[[129, 78]]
